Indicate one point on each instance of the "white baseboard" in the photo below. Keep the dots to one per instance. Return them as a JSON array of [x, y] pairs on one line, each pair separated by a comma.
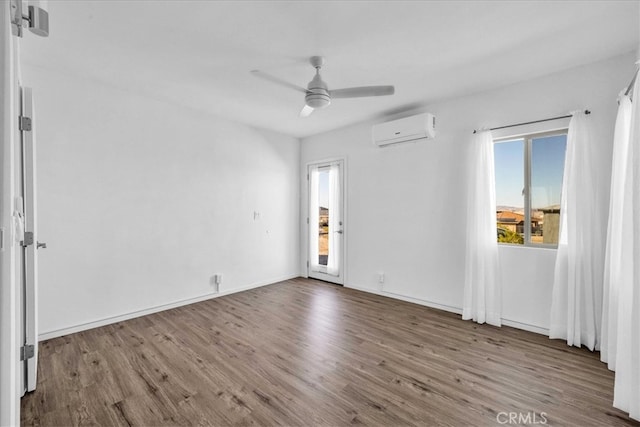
[[401, 297], [450, 309], [126, 316], [526, 327]]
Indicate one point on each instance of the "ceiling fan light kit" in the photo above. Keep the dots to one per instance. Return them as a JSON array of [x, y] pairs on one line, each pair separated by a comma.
[[317, 93]]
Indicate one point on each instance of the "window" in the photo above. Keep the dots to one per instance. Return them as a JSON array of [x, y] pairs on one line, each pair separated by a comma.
[[529, 173]]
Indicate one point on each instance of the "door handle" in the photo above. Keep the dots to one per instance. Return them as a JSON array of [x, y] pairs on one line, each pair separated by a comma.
[[339, 231], [42, 245]]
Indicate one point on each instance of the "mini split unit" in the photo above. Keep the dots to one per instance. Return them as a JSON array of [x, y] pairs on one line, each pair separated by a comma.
[[414, 128]]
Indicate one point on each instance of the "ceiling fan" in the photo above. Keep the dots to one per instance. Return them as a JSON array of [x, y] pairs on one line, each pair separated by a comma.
[[317, 93]]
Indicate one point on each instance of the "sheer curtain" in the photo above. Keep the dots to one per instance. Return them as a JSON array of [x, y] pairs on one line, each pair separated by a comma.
[[627, 312], [482, 291], [314, 218], [576, 304], [335, 224], [615, 269]]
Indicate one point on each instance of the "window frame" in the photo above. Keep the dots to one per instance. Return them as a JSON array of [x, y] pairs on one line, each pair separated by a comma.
[[528, 138]]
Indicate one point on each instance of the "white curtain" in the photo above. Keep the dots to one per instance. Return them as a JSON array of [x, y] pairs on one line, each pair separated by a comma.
[[576, 304], [335, 225], [615, 270], [624, 317], [482, 291], [314, 218]]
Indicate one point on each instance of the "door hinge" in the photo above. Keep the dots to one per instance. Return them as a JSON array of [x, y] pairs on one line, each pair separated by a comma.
[[307, 264], [28, 239], [24, 123], [16, 17], [307, 220], [27, 352]]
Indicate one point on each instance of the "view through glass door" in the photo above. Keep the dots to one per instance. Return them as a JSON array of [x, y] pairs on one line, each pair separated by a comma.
[[326, 224]]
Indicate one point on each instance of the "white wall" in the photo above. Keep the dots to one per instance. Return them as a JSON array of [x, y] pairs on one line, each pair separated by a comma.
[[406, 203], [141, 202]]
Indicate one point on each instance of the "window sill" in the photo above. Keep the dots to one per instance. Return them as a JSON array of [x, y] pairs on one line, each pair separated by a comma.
[[515, 245]]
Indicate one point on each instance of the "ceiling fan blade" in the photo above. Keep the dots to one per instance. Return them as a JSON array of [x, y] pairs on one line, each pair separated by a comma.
[[306, 111], [358, 92], [276, 80]]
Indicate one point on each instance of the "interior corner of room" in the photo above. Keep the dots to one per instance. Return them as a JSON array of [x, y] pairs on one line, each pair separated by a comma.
[[172, 170]]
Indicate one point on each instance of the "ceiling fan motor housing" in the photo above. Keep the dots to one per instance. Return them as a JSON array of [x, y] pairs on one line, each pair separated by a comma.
[[317, 96]]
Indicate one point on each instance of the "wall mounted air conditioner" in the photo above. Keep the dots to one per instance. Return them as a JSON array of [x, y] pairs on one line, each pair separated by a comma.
[[414, 128]]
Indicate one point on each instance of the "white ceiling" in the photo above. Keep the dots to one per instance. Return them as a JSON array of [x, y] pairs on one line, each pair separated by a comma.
[[199, 53]]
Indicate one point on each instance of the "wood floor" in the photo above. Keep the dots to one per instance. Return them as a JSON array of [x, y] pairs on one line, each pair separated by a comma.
[[303, 353]]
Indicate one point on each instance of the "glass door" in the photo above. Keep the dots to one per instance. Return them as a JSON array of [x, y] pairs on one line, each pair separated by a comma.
[[326, 224]]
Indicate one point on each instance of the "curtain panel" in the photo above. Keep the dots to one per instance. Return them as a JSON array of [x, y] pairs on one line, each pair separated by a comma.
[[314, 217], [576, 304], [617, 269], [622, 303], [335, 224], [482, 290]]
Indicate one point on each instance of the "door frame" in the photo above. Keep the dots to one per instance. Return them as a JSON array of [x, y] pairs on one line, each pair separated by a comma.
[[305, 219], [9, 273], [30, 250]]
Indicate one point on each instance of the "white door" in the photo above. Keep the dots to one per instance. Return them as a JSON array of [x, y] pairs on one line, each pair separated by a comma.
[[326, 221], [29, 352]]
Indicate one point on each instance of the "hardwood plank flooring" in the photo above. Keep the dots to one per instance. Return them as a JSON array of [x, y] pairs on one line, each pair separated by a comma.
[[303, 352]]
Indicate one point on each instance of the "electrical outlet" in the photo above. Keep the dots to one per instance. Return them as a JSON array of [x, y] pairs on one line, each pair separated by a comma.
[[381, 277], [215, 281], [213, 284]]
